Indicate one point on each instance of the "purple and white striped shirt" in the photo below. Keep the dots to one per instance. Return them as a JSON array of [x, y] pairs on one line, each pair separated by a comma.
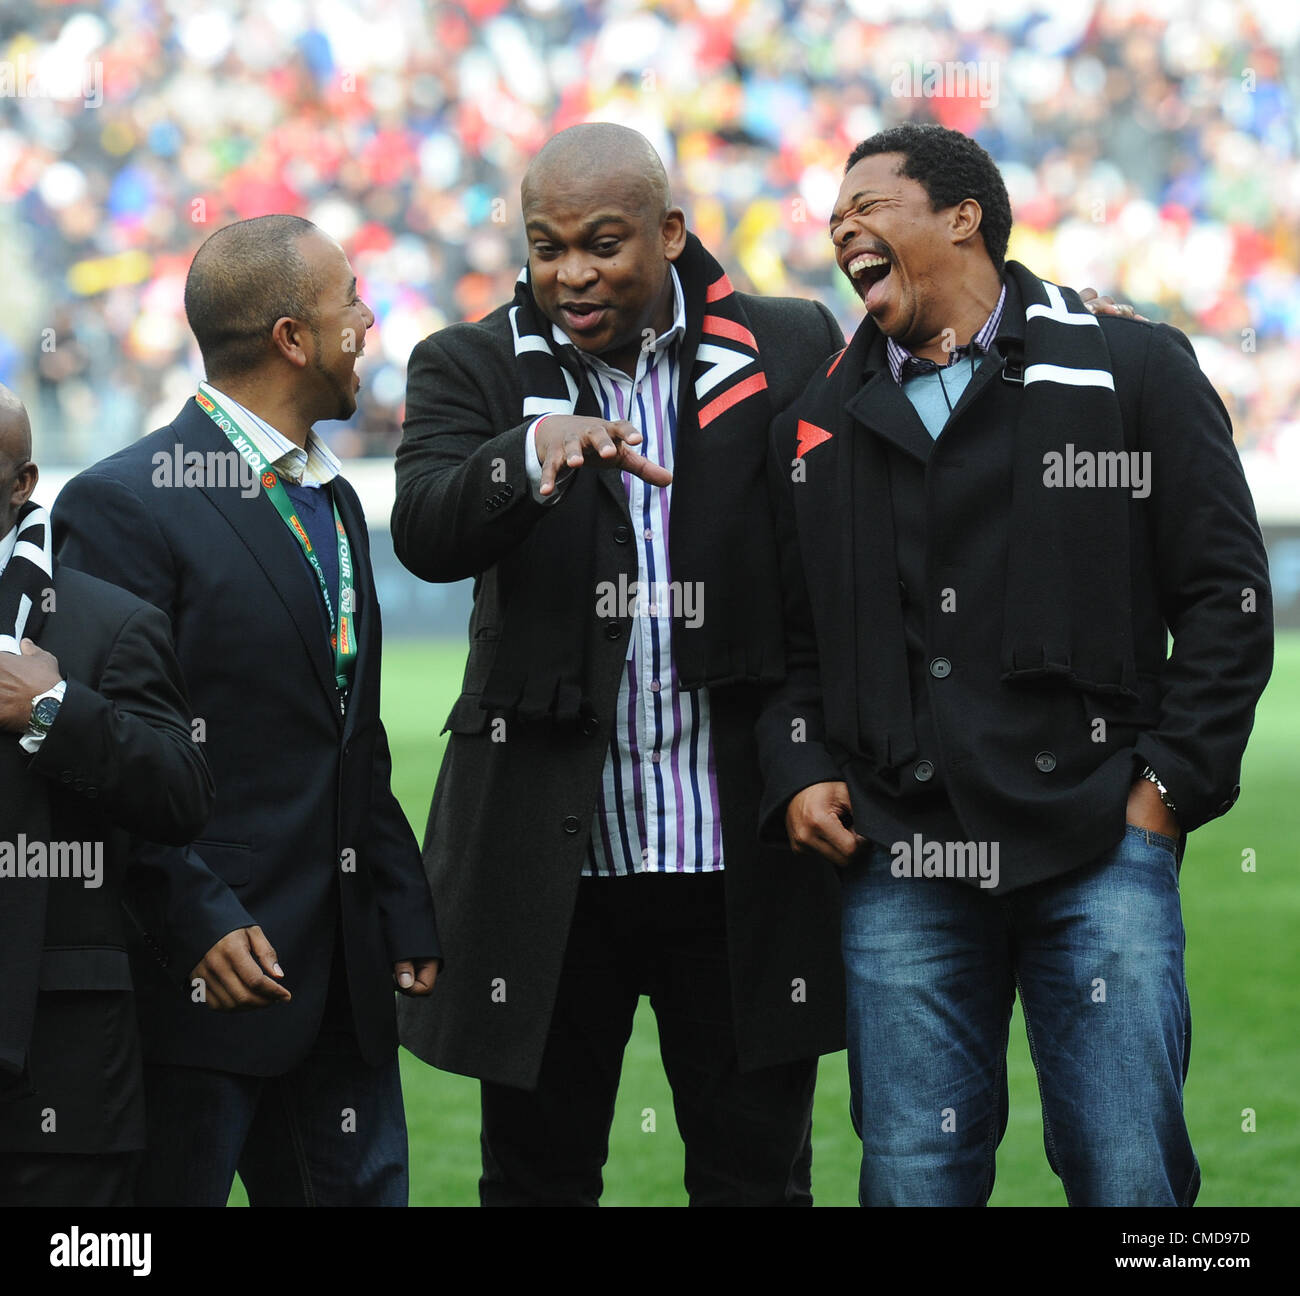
[[658, 809], [902, 363]]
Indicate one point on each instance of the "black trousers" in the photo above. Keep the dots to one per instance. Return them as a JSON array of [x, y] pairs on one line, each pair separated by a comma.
[[748, 1135], [67, 1179]]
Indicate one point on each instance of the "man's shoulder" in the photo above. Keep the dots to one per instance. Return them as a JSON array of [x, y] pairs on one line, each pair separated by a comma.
[[795, 337], [1141, 351], [786, 312], [491, 333], [80, 598], [134, 465]]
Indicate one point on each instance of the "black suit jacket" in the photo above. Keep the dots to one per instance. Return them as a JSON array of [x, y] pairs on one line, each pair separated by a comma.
[[306, 834], [119, 759], [509, 823], [1028, 767]]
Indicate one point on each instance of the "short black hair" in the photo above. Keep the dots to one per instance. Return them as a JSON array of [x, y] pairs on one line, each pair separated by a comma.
[[950, 167], [244, 278]]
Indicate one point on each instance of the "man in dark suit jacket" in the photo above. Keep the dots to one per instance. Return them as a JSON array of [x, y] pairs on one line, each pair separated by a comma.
[[579, 858], [234, 521], [992, 510], [95, 744]]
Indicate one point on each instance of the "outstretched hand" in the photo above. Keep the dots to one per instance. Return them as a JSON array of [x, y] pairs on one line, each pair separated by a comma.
[[570, 440]]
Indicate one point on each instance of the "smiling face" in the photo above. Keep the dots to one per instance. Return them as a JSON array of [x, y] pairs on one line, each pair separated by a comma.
[[338, 330], [900, 256], [599, 249]]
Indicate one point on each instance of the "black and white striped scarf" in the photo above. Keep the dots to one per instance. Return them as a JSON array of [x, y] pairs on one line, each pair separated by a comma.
[[26, 579], [1067, 615]]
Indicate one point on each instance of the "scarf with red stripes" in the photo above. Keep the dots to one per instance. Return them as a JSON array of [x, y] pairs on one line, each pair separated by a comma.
[[720, 537]]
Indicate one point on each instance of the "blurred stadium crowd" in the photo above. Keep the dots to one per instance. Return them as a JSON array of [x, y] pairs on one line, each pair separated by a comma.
[[1150, 148]]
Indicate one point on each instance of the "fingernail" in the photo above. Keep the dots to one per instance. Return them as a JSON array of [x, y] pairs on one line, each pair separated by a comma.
[[406, 979], [278, 970]]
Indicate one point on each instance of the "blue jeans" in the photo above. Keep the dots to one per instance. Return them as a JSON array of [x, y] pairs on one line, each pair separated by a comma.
[[933, 966]]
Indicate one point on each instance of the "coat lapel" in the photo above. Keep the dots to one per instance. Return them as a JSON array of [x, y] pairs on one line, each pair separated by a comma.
[[263, 533], [881, 406]]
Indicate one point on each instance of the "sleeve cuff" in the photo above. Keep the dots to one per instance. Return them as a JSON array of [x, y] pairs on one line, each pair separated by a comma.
[[534, 469]]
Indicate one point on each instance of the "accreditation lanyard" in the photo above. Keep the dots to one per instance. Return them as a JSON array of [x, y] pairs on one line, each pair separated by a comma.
[[342, 634]]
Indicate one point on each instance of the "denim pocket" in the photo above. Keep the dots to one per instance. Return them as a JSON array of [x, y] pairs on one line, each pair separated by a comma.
[[1159, 840]]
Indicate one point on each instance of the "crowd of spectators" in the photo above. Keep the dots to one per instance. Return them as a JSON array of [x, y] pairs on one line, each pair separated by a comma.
[[1150, 148]]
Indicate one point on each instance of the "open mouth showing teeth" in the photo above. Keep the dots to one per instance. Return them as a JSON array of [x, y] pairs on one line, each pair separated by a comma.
[[868, 268], [869, 273]]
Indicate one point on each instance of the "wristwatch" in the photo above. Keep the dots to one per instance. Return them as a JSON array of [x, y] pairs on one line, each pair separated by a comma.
[[45, 710], [1152, 777]]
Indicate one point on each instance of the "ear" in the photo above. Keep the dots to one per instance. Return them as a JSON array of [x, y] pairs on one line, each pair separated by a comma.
[[965, 220], [291, 339], [673, 233], [24, 485]]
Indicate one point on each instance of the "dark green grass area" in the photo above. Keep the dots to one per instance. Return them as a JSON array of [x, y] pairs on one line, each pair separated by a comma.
[[1243, 962]]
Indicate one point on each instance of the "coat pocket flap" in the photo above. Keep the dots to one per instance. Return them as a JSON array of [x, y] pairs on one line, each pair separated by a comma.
[[466, 716], [85, 968]]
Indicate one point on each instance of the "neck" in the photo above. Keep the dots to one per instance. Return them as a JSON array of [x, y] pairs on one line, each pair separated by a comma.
[[266, 397], [968, 303]]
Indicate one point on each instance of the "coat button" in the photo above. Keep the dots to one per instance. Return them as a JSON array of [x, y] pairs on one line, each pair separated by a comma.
[[613, 630], [941, 668], [622, 534], [507, 490], [571, 824], [1045, 762], [924, 771]]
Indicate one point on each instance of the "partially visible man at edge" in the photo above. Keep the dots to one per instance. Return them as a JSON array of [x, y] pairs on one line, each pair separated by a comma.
[[992, 509], [95, 745]]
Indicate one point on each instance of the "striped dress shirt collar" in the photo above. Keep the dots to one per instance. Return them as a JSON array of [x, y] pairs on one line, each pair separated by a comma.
[[313, 466], [900, 357]]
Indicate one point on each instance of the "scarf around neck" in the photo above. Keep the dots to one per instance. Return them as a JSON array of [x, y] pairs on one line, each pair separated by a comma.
[[1066, 615]]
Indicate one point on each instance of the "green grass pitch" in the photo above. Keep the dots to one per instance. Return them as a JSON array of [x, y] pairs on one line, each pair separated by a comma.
[[1243, 965]]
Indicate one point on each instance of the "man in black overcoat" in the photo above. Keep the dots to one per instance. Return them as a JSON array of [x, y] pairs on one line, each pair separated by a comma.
[[592, 455], [95, 745], [993, 511]]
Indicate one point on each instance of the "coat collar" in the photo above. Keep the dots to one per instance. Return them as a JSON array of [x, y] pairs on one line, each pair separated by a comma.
[[882, 407]]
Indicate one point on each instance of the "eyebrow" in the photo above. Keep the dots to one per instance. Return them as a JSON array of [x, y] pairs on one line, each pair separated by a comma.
[[586, 229]]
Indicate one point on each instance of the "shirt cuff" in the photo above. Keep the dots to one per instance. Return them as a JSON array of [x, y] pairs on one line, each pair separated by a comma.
[[534, 468]]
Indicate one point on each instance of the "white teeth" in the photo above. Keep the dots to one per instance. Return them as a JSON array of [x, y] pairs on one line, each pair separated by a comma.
[[865, 262]]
